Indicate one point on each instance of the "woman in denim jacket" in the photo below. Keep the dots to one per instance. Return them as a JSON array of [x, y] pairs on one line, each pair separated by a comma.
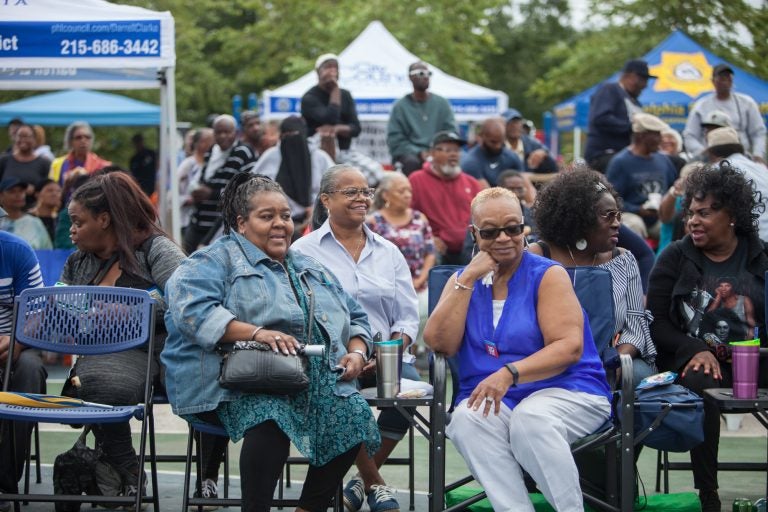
[[249, 286]]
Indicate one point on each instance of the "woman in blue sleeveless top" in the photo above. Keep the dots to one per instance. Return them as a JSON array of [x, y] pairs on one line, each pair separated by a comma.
[[531, 381]]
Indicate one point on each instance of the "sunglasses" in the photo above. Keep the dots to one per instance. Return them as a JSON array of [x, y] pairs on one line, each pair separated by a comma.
[[421, 73], [610, 215], [351, 193], [493, 233]]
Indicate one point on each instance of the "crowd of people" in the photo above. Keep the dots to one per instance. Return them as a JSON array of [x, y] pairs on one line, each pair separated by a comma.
[[291, 236]]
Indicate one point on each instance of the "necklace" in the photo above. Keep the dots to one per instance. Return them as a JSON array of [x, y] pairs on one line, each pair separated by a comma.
[[359, 249], [594, 258]]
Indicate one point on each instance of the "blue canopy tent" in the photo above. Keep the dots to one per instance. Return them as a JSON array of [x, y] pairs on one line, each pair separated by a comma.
[[97, 108], [684, 69]]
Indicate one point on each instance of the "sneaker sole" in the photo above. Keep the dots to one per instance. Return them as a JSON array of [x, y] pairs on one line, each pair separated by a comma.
[[349, 507]]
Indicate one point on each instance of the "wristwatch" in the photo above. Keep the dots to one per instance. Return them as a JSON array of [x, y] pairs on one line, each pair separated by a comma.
[[362, 354], [515, 375]]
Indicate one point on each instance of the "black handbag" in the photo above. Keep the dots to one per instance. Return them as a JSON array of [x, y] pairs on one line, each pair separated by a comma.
[[253, 367]]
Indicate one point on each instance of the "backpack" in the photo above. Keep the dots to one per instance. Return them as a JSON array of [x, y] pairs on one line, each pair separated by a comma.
[[84, 470]]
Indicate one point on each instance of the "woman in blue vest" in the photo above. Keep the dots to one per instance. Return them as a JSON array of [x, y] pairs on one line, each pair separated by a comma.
[[531, 381]]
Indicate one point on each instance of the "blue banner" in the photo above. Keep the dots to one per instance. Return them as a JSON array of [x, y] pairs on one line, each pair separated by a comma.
[[78, 39]]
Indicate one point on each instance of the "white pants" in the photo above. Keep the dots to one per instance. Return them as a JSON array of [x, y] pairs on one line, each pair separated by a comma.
[[536, 437]]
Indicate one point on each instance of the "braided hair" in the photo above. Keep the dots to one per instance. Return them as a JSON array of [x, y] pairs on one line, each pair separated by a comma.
[[236, 197]]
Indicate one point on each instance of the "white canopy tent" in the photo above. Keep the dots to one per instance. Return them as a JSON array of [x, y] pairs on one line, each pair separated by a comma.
[[66, 44], [374, 68]]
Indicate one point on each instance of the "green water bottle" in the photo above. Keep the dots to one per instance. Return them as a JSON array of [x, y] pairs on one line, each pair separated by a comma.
[[742, 505]]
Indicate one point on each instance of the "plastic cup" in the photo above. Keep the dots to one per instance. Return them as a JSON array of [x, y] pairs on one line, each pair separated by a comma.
[[745, 357], [389, 367]]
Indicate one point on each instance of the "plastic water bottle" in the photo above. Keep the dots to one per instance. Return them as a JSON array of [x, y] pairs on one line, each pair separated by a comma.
[[742, 505], [759, 505]]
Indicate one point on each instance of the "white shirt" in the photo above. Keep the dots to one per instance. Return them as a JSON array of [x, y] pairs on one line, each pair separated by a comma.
[[269, 162], [380, 281]]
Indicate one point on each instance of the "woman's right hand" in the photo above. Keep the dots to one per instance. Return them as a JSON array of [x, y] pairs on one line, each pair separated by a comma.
[[705, 360], [480, 265], [278, 341]]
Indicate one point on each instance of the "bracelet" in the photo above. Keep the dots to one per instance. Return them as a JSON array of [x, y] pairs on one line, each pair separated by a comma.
[[458, 286], [361, 353], [253, 334], [515, 374]]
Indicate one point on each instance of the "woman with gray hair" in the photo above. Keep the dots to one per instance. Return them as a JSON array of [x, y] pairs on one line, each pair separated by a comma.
[[251, 285], [80, 159], [374, 272]]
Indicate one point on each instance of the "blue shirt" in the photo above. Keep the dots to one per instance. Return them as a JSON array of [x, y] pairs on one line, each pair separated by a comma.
[[634, 177], [233, 279], [19, 270], [517, 336], [380, 280], [479, 164]]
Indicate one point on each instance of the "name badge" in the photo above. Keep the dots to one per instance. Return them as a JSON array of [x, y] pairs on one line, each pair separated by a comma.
[[490, 348]]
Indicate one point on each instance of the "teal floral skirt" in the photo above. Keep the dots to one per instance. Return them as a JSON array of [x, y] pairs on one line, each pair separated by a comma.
[[320, 424]]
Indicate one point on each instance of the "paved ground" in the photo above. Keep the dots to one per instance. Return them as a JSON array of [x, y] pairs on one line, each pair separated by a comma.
[[748, 443]]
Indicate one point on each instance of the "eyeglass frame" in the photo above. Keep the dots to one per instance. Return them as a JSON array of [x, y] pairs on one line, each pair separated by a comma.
[[493, 233], [352, 193], [610, 215]]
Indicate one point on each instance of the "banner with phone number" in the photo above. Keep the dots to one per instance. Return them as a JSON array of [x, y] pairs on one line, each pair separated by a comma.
[[140, 38]]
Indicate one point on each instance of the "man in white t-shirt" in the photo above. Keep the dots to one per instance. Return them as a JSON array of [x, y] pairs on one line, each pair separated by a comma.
[[742, 111]]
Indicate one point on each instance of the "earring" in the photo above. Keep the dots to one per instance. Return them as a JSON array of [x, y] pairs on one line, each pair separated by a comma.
[[386, 204], [581, 244], [732, 224]]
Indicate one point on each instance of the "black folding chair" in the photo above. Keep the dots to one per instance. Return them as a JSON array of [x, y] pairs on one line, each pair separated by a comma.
[[593, 287]]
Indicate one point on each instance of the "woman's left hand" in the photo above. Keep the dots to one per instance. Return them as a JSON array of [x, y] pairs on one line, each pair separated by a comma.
[[490, 391], [353, 364]]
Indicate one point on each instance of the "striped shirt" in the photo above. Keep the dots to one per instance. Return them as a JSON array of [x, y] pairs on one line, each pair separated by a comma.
[[208, 212], [632, 319], [19, 270]]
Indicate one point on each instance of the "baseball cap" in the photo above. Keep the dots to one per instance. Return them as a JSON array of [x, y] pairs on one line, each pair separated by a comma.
[[447, 136], [716, 118], [12, 182], [638, 67], [722, 68], [511, 114], [722, 136], [325, 58], [642, 122]]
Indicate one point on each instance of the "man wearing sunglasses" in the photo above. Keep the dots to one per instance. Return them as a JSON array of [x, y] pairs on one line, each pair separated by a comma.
[[415, 119]]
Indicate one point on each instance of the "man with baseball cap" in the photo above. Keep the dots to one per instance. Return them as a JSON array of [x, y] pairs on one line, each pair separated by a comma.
[[742, 111], [725, 144], [610, 112], [641, 175], [13, 199], [444, 194], [533, 155], [330, 111]]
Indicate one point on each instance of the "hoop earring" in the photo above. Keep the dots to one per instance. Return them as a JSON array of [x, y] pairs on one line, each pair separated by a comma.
[[581, 244]]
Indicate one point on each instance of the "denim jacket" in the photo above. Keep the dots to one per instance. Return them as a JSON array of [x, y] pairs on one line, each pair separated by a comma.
[[233, 279]]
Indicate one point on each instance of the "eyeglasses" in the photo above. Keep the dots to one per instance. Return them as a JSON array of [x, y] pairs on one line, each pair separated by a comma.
[[610, 215], [351, 193], [421, 73], [81, 136], [493, 233]]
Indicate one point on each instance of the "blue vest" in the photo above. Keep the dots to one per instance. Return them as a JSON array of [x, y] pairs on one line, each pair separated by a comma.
[[517, 336]]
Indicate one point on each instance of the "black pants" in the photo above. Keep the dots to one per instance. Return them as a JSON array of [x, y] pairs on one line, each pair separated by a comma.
[[704, 456], [410, 163], [28, 375], [262, 457]]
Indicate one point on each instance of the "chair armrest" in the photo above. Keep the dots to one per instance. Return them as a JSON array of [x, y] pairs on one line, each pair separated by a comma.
[[439, 373]]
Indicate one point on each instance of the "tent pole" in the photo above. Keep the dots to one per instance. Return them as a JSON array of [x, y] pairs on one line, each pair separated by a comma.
[[173, 175], [163, 154], [576, 143]]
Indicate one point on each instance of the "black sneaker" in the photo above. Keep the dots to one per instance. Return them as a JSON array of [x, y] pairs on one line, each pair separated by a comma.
[[710, 501]]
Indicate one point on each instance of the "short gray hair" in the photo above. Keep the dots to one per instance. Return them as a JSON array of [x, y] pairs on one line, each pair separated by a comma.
[[70, 132]]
